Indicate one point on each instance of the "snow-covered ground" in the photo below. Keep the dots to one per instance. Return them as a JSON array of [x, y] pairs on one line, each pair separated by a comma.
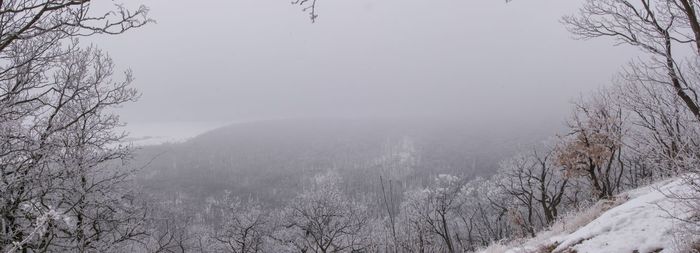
[[638, 221], [142, 134]]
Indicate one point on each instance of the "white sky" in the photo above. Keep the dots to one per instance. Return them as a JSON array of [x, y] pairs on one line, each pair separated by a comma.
[[485, 60]]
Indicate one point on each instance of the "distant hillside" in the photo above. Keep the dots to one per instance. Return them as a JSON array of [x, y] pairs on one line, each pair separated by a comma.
[[272, 160]]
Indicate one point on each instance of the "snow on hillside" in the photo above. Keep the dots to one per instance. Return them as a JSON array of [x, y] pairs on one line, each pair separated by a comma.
[[637, 221], [143, 134]]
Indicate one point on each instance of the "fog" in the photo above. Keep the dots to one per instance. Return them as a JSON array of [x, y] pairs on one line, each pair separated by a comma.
[[377, 126], [478, 60]]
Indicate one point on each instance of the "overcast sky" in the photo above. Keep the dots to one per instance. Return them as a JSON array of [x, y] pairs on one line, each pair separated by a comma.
[[486, 60]]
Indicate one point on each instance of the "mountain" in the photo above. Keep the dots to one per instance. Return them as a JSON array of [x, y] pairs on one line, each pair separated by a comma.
[[272, 160]]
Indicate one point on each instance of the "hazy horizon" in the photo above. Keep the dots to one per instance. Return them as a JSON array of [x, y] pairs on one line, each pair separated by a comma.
[[485, 60]]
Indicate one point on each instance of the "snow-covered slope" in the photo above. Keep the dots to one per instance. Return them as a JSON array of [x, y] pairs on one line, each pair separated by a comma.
[[638, 221]]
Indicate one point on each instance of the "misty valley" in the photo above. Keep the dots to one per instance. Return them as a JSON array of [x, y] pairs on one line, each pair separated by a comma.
[[316, 126], [271, 161]]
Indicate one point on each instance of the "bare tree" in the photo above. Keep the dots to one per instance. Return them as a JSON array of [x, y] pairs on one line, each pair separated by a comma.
[[537, 185], [323, 219], [415, 234], [483, 211], [59, 152], [662, 130], [243, 225], [389, 204], [551, 183], [308, 6], [433, 210], [517, 181], [654, 26], [173, 227]]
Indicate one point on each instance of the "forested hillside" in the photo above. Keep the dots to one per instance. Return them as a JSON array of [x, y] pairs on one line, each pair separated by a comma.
[[272, 160]]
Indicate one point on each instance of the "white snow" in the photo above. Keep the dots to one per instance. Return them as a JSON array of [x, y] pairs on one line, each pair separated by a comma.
[[143, 134], [643, 223]]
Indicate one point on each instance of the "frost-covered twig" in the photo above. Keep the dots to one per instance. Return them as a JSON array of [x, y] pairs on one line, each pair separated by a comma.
[[40, 226]]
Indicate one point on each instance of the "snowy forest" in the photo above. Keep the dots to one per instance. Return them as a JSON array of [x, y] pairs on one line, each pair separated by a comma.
[[620, 175]]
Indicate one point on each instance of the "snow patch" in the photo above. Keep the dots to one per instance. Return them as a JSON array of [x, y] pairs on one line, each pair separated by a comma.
[[639, 220], [144, 134], [642, 224]]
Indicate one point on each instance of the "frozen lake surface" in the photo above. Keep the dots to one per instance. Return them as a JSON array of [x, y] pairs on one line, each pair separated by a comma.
[[155, 133]]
